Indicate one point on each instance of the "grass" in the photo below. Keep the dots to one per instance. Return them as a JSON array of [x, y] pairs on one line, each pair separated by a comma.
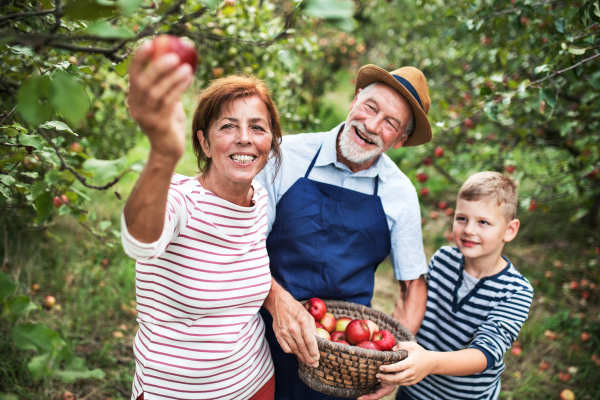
[[95, 289]]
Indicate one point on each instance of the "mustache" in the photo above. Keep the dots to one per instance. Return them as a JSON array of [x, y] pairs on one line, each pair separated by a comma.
[[372, 137]]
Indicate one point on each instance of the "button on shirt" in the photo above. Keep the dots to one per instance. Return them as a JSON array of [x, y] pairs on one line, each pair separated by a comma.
[[397, 193]]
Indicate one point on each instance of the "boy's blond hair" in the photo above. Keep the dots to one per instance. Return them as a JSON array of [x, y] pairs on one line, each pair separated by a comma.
[[494, 187]]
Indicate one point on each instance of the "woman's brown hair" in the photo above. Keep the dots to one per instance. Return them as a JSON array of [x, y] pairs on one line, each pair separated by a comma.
[[220, 93]]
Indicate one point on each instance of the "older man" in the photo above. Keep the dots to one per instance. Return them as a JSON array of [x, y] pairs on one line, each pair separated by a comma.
[[337, 208]]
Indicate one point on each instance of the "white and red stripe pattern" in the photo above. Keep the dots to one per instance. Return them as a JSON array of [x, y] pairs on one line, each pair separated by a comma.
[[199, 289]]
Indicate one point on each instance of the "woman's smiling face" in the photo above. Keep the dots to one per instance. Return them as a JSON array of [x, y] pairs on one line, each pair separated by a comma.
[[239, 141]]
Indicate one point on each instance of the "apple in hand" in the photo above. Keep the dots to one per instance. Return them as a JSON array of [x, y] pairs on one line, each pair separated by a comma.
[[183, 47], [323, 333], [337, 336], [328, 322], [373, 328], [342, 323], [366, 344], [316, 307], [357, 331], [384, 339]]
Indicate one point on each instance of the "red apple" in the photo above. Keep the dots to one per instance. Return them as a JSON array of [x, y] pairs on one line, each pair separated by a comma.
[[183, 47], [438, 152], [373, 328], [422, 177], [574, 285], [337, 336], [567, 394], [343, 342], [35, 287], [218, 72], [323, 333], [443, 205], [516, 351], [564, 376], [585, 336], [427, 161], [544, 365], [385, 340], [357, 331], [366, 344], [328, 322], [510, 169], [316, 307], [319, 325], [342, 323], [532, 205], [424, 192], [230, 3], [59, 200], [49, 302], [449, 211], [76, 147]]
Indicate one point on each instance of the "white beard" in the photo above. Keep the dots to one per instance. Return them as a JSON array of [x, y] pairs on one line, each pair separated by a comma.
[[352, 151]]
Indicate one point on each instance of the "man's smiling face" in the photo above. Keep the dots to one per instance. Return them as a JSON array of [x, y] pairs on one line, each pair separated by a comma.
[[376, 122]]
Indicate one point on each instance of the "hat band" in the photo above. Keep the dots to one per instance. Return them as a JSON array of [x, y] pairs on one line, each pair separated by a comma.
[[408, 87]]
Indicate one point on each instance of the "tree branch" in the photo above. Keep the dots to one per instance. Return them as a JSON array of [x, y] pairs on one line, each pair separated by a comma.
[[25, 15], [80, 178], [8, 115]]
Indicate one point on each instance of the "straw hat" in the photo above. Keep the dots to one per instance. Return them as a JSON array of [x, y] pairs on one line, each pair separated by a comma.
[[411, 83]]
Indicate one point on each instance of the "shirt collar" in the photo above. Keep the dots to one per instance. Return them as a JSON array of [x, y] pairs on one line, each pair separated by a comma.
[[328, 155]]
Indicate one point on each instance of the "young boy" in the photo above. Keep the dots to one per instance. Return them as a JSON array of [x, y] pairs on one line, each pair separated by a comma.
[[477, 302]]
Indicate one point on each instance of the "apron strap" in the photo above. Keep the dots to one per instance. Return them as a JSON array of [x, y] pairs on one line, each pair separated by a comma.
[[312, 164], [376, 185]]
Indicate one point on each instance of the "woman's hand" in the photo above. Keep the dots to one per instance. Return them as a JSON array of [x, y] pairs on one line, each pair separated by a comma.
[[412, 369], [154, 101]]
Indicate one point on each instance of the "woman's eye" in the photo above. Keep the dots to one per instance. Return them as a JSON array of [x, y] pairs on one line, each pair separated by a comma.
[[258, 127], [227, 126]]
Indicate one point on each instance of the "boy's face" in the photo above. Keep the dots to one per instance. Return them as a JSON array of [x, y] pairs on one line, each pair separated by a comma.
[[480, 229]]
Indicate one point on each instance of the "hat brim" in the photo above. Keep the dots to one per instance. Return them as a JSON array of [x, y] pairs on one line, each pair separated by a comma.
[[372, 73]]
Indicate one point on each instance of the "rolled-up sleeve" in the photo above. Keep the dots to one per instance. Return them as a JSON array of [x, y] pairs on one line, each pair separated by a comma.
[[176, 215], [497, 334], [407, 255]]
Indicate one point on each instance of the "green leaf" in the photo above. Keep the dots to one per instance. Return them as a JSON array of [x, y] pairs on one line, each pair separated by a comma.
[[8, 396], [212, 4], [40, 366], [89, 9], [38, 189], [103, 170], [75, 369], [548, 96], [7, 286], [104, 225], [16, 307], [33, 99], [7, 180], [328, 9], [560, 25], [35, 141], [86, 70], [59, 126], [129, 6], [491, 110], [485, 91], [541, 68], [43, 206], [69, 97], [577, 50], [288, 59], [121, 68], [22, 50], [105, 29], [36, 337]]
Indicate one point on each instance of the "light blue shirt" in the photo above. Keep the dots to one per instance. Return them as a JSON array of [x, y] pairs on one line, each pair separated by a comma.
[[397, 193]]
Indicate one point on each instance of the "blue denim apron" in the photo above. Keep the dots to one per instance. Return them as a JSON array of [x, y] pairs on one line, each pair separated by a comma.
[[326, 242]]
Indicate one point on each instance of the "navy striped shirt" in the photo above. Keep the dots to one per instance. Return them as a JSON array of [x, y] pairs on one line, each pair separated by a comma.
[[488, 318]]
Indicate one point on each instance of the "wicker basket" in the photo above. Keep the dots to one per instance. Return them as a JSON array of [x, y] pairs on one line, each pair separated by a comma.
[[349, 371]]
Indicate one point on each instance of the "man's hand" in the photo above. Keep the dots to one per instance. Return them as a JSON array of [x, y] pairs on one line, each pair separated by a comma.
[[381, 391], [411, 370], [155, 90], [294, 327], [411, 305]]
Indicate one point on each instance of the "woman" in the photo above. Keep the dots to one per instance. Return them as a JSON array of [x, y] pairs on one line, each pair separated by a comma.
[[202, 269]]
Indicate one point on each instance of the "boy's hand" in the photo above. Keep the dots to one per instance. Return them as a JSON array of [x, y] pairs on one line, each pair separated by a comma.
[[411, 370]]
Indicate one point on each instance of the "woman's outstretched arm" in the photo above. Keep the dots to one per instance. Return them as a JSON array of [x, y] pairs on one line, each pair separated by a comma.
[[155, 104]]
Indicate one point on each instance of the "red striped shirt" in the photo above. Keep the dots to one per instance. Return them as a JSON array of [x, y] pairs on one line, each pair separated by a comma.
[[199, 288]]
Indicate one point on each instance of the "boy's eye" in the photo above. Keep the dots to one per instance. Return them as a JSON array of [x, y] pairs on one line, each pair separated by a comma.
[[484, 222], [461, 219]]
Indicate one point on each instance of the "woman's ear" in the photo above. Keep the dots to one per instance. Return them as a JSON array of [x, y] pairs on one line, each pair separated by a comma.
[[512, 230], [204, 143]]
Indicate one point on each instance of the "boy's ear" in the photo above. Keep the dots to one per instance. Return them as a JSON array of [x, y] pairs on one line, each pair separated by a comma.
[[511, 230]]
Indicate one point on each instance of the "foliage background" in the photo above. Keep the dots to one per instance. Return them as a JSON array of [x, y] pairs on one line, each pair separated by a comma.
[[514, 89]]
